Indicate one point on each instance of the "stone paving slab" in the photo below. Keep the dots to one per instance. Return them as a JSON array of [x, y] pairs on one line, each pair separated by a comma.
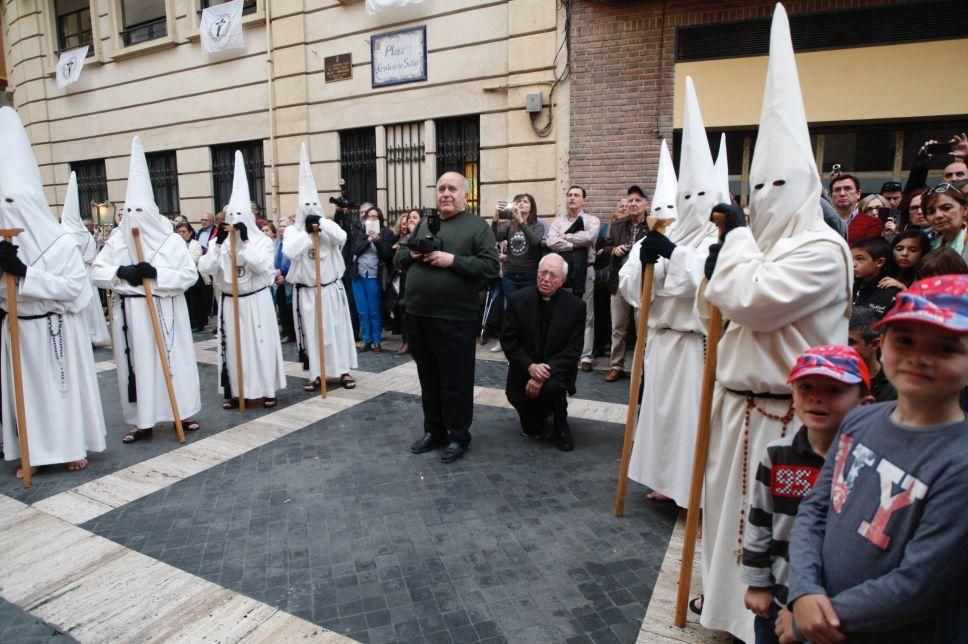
[[17, 626], [338, 524]]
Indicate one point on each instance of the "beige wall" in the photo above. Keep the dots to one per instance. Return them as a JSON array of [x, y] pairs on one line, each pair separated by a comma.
[[861, 83], [483, 57]]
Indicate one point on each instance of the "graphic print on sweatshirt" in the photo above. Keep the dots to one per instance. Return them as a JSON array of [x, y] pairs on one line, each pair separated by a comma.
[[898, 488]]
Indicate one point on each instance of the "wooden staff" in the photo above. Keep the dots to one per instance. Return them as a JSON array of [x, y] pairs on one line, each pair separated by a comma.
[[701, 452], [319, 314], [18, 376], [159, 338], [234, 256], [638, 359]]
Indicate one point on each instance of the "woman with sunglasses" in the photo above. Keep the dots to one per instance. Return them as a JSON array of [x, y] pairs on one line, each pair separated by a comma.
[[946, 209]]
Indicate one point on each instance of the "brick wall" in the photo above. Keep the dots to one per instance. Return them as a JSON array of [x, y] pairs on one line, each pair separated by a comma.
[[622, 83]]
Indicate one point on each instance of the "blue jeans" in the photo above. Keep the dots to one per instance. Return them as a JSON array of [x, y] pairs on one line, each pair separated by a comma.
[[764, 628], [515, 282], [366, 292]]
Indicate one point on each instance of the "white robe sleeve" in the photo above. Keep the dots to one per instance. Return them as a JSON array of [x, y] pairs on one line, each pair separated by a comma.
[[331, 231], [630, 277], [65, 286], [178, 275], [683, 272], [105, 273], [295, 242], [208, 264], [767, 295], [256, 258]]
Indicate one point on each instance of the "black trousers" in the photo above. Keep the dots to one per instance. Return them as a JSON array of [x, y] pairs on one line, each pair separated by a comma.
[[284, 311], [534, 412], [444, 351]]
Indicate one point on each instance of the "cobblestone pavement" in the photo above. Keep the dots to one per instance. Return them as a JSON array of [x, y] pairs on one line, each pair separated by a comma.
[[335, 522]]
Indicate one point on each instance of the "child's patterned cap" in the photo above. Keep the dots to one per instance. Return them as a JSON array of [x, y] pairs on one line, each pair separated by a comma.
[[940, 301], [840, 363]]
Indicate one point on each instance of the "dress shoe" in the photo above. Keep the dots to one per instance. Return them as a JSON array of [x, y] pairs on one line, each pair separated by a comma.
[[377, 348], [587, 367], [426, 444], [452, 452], [614, 374], [564, 441], [366, 347]]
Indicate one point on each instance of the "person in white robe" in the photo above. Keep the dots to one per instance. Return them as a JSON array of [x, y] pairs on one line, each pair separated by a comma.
[[261, 347], [62, 402], [144, 393], [297, 244], [783, 285], [71, 224], [665, 434]]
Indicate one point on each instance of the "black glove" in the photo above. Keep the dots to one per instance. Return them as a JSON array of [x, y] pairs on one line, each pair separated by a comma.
[[310, 221], [7, 249], [576, 227], [146, 270], [654, 246], [130, 274], [734, 216], [243, 231], [711, 260], [223, 234], [12, 264]]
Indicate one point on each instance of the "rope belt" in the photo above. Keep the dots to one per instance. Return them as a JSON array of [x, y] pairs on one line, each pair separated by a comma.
[[132, 388], [56, 338], [224, 375], [753, 394]]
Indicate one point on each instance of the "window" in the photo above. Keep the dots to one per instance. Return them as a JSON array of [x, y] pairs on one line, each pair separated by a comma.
[[405, 162], [92, 184], [73, 24], [459, 150], [249, 6], [163, 171], [357, 164], [223, 169], [143, 20]]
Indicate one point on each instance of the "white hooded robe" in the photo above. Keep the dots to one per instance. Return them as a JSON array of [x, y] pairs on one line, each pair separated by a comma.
[[71, 223]]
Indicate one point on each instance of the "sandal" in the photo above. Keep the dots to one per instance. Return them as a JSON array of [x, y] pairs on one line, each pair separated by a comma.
[[347, 381], [312, 386], [232, 403], [695, 604], [190, 425], [136, 435], [269, 403]]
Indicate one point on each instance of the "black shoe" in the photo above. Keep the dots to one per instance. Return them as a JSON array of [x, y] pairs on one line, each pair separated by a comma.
[[426, 444], [453, 452], [564, 441]]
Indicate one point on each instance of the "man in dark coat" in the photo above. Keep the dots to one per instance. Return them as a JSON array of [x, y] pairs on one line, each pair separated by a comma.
[[542, 340]]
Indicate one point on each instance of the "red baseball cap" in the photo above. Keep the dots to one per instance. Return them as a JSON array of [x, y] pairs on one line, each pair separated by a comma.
[[939, 301], [838, 362]]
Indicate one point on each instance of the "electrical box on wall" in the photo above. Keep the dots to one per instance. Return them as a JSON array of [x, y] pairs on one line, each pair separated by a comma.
[[532, 102]]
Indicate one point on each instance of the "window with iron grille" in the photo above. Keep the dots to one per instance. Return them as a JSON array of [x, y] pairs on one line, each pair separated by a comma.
[[357, 164], [92, 183], [223, 170], [459, 150], [249, 6], [73, 24], [143, 20], [405, 162], [163, 171]]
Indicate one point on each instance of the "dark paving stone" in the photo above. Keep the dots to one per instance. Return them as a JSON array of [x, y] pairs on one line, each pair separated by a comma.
[[368, 361], [339, 523], [20, 627], [213, 419], [590, 386]]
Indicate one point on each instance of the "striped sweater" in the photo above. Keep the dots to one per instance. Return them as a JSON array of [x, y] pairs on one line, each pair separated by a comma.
[[784, 477]]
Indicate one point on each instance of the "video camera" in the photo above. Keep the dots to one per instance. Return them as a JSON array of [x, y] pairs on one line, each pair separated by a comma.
[[342, 202], [428, 243]]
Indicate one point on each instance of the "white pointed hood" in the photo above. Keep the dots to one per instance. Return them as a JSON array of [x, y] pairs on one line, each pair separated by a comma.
[[22, 200], [698, 190], [308, 194], [72, 224], [722, 168], [784, 184], [140, 210], [664, 195], [239, 208]]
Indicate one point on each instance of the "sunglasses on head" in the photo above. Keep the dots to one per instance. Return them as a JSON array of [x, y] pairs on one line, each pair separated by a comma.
[[944, 187]]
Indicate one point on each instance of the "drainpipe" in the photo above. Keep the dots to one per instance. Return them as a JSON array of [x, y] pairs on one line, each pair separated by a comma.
[[270, 74]]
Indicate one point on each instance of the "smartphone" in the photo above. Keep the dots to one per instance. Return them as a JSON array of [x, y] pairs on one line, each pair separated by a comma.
[[835, 168], [884, 214], [937, 148], [372, 226]]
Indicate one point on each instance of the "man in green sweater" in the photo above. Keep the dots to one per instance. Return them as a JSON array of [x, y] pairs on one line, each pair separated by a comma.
[[441, 319]]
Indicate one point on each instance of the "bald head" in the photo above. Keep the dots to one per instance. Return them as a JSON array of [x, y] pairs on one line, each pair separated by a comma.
[[451, 194], [552, 271], [955, 171]]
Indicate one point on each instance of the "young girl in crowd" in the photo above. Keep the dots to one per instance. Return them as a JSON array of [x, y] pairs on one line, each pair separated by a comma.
[[908, 248]]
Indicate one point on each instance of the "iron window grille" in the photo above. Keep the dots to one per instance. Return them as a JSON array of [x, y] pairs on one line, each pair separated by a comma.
[[405, 160], [223, 171], [92, 183], [143, 20], [73, 25], [163, 171], [459, 150], [357, 164]]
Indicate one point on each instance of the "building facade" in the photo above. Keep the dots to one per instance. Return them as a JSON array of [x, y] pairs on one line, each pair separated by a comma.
[[381, 131]]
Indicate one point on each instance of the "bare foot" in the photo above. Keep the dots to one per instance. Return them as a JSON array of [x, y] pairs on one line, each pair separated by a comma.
[[20, 472], [658, 498], [74, 466]]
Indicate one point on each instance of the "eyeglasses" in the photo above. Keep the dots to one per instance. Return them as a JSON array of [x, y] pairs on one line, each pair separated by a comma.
[[944, 187]]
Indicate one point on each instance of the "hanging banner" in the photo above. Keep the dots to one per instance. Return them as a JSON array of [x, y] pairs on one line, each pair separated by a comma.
[[376, 6], [221, 27], [69, 65]]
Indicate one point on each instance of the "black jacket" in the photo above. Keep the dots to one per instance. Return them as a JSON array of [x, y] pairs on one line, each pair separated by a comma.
[[384, 252], [618, 230], [867, 293], [560, 348]]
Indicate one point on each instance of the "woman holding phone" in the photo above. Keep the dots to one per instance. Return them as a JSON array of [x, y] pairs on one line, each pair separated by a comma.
[[520, 227], [372, 246]]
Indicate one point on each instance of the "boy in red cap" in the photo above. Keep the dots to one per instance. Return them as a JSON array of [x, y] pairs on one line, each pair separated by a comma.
[[827, 382], [879, 545]]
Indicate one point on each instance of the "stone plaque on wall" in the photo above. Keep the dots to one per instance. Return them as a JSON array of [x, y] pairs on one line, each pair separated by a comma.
[[339, 67], [399, 56]]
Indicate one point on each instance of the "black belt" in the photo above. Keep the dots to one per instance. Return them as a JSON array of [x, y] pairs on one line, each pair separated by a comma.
[[669, 328], [225, 295], [299, 286], [39, 316], [753, 394]]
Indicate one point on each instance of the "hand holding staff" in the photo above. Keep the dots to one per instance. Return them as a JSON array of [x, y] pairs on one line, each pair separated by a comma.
[[319, 314], [638, 358], [234, 255], [159, 339], [18, 377]]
